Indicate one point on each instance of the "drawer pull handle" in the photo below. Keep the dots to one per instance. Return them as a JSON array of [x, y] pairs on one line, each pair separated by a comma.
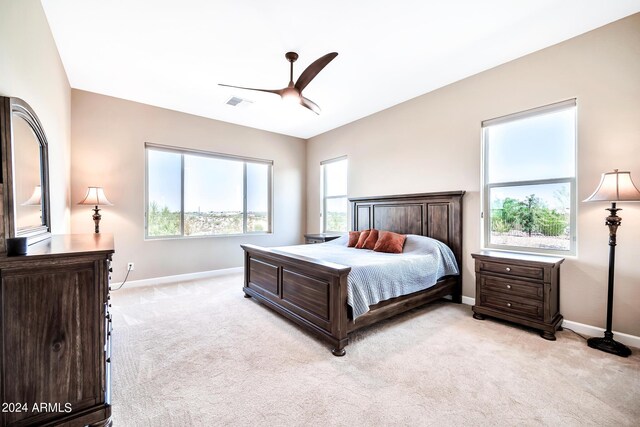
[[508, 286], [508, 268], [508, 304]]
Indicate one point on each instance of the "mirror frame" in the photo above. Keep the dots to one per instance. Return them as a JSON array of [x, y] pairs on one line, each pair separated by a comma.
[[9, 108]]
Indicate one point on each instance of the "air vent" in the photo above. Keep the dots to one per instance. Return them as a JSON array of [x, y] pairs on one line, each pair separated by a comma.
[[234, 101]]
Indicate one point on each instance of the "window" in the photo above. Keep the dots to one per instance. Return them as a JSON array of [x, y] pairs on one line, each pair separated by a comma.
[[529, 180], [194, 193], [334, 195]]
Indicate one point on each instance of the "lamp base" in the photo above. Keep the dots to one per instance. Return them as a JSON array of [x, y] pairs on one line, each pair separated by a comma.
[[610, 346]]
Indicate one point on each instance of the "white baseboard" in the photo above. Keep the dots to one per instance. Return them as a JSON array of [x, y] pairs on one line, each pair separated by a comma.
[[178, 278], [468, 300], [594, 331], [583, 329]]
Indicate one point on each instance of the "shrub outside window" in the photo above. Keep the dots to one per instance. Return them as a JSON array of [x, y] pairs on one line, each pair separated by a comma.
[[529, 180], [195, 193]]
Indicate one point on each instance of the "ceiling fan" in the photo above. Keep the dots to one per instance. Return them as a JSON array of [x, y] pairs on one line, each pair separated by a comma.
[[293, 92]]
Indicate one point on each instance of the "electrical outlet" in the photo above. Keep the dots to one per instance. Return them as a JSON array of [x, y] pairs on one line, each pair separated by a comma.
[[131, 266]]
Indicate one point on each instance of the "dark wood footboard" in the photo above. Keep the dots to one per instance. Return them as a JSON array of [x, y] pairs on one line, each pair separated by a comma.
[[310, 292]]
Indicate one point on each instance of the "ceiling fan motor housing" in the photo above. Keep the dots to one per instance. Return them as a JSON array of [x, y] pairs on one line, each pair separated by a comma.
[[291, 56]]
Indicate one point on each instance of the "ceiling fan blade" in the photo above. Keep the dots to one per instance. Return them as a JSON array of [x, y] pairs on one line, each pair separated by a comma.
[[277, 92], [309, 104], [312, 70]]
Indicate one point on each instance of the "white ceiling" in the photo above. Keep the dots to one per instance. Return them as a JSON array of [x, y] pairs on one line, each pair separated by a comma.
[[173, 54]]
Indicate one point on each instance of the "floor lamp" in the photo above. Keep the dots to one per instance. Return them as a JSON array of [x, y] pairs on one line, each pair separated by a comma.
[[614, 187]]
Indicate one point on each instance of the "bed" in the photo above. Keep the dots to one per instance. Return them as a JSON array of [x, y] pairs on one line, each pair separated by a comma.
[[314, 293]]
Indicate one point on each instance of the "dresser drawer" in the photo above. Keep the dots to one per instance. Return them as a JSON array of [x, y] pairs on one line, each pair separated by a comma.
[[511, 287], [511, 269], [517, 306]]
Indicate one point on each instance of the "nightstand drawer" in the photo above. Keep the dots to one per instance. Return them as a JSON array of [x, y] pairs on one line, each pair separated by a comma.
[[511, 269], [511, 287], [516, 306]]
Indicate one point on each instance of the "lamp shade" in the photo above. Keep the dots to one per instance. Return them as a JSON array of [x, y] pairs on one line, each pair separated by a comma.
[[95, 197], [36, 197], [615, 186]]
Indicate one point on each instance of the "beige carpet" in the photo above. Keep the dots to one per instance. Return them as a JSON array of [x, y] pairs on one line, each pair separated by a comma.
[[198, 353]]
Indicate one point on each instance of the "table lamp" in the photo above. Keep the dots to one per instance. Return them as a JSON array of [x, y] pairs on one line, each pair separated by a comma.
[[95, 197]]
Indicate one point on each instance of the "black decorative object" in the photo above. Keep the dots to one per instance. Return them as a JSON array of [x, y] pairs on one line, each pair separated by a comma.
[[16, 246], [614, 187]]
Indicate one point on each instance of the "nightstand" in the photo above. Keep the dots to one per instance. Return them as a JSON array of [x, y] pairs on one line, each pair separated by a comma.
[[319, 238], [520, 288]]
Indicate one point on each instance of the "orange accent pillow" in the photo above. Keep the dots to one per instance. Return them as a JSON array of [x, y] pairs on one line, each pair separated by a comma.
[[353, 238], [390, 242], [363, 237], [370, 243]]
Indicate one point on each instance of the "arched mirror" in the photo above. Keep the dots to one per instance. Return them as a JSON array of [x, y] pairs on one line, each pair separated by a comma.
[[25, 172]]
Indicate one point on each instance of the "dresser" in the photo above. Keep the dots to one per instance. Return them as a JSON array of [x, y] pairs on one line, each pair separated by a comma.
[[56, 327], [519, 288], [319, 238]]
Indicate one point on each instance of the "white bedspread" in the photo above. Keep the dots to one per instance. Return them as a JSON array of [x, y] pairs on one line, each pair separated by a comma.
[[378, 276]]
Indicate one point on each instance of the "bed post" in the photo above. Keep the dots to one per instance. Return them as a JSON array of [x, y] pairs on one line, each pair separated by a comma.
[[246, 275], [456, 244], [456, 296], [341, 309]]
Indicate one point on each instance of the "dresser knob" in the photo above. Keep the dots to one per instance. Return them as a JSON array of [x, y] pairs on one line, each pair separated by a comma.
[[508, 304], [508, 268], [508, 286]]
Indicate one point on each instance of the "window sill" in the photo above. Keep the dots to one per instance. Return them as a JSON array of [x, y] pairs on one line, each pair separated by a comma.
[[208, 236]]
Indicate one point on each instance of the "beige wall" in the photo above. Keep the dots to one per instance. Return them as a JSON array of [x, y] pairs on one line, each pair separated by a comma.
[[432, 143], [30, 68], [108, 136]]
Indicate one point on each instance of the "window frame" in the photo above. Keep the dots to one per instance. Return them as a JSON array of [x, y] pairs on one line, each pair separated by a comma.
[[486, 187], [219, 156], [324, 198]]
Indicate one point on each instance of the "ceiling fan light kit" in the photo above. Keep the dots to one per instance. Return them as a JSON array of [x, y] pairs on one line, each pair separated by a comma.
[[293, 92]]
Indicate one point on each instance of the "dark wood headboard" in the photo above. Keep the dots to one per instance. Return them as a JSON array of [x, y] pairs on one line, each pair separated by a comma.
[[435, 215]]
